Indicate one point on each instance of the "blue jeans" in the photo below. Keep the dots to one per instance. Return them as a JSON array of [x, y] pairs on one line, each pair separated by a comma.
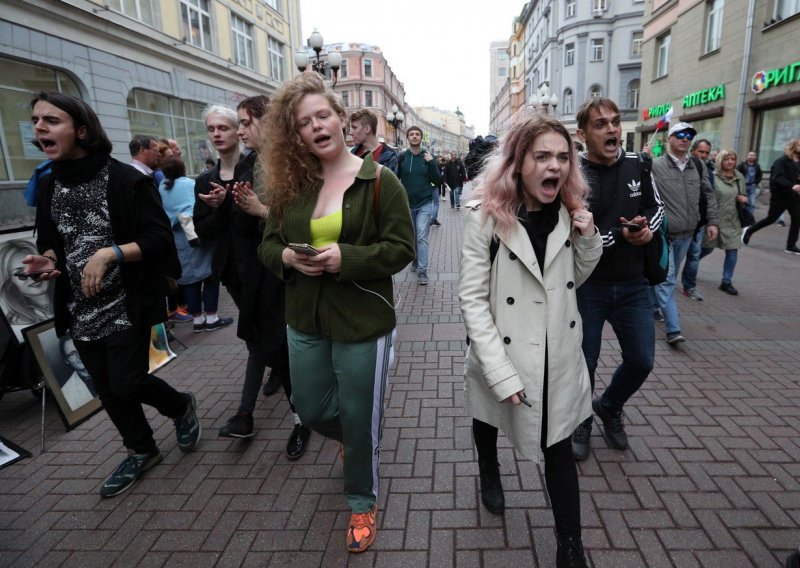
[[731, 256], [455, 196], [665, 292], [751, 198], [435, 214], [628, 309], [421, 216], [693, 256]]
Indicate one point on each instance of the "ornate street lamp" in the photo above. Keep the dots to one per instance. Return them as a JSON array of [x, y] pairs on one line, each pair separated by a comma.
[[396, 118], [544, 101], [334, 58]]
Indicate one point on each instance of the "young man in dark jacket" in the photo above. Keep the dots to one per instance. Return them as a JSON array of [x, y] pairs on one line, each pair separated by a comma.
[[752, 173], [106, 241], [627, 210], [363, 126], [419, 174], [455, 175]]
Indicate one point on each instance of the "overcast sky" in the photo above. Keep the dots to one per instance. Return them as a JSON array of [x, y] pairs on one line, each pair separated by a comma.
[[439, 49]]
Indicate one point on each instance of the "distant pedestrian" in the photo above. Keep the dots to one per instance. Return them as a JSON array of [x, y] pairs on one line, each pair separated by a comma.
[[106, 241], [784, 195], [527, 246], [455, 175], [339, 295], [363, 128], [752, 173]]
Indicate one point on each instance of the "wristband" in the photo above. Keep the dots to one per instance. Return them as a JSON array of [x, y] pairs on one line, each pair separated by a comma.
[[48, 257], [118, 252]]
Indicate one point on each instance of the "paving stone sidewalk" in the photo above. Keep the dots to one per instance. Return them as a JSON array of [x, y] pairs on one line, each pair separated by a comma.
[[712, 477]]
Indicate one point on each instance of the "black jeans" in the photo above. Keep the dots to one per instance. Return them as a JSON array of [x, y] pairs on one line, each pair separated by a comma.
[[779, 203], [560, 473], [119, 366]]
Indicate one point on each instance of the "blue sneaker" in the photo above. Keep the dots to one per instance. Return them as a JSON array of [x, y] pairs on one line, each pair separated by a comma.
[[187, 427], [128, 472]]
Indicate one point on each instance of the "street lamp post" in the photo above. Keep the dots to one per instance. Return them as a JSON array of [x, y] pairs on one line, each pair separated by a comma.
[[396, 117], [334, 58], [545, 100]]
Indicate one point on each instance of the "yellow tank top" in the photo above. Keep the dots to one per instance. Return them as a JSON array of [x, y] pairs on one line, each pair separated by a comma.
[[326, 230]]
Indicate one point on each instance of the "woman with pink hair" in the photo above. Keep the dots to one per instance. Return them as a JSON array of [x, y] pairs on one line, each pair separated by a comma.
[[527, 245]]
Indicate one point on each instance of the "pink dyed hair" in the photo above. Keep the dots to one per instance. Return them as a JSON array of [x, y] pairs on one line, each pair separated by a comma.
[[499, 185]]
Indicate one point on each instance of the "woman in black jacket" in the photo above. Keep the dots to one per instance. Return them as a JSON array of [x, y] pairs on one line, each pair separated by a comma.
[[260, 296], [784, 195], [106, 241]]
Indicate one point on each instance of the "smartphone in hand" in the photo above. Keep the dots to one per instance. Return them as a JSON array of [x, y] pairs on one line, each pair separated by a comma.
[[303, 248], [20, 273], [632, 227]]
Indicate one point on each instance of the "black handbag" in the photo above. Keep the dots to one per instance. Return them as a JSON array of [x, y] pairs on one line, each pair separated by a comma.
[[745, 217]]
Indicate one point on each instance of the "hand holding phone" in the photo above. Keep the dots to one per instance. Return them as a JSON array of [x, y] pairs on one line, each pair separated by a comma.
[[303, 248], [20, 273], [632, 227]]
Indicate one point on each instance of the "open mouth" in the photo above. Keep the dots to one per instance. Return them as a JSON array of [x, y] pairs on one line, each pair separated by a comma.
[[611, 143], [550, 183], [46, 143], [321, 139]]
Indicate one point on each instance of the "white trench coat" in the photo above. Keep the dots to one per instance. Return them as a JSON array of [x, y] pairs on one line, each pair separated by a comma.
[[512, 310]]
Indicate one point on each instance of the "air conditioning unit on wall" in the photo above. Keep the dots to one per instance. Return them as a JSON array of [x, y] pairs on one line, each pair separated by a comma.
[[597, 13]]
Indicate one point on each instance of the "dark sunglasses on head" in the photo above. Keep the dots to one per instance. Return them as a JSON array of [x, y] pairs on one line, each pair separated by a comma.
[[685, 134]]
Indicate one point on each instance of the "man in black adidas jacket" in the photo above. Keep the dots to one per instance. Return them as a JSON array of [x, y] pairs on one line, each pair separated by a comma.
[[622, 191]]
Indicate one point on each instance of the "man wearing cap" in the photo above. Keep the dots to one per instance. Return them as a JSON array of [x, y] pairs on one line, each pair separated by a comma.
[[680, 186]]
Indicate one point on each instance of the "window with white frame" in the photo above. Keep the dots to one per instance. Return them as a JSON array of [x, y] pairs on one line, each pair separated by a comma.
[[141, 10], [569, 54], [598, 49], [786, 8], [275, 5], [368, 68], [343, 69], [568, 106], [197, 23], [636, 44], [599, 5], [242, 36], [713, 25], [569, 8], [662, 55], [345, 98], [595, 91], [633, 93], [276, 60], [368, 98]]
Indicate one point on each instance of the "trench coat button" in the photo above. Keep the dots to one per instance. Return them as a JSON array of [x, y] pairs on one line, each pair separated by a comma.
[[570, 285], [507, 340], [512, 256], [572, 323], [567, 244], [510, 301]]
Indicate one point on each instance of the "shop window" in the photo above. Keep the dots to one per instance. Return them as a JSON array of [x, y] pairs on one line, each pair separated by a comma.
[[713, 25], [775, 128], [160, 116], [19, 82], [662, 56]]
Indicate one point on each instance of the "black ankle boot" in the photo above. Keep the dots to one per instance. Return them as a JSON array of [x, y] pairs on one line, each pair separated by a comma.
[[491, 487], [570, 552]]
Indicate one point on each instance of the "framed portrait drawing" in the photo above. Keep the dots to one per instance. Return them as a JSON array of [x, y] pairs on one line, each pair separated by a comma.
[[64, 373], [23, 302], [10, 452]]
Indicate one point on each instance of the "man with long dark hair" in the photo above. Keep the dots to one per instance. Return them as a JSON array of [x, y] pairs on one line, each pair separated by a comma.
[[106, 241]]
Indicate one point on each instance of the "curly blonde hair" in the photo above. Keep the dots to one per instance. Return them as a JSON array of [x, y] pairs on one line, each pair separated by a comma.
[[290, 167], [499, 186]]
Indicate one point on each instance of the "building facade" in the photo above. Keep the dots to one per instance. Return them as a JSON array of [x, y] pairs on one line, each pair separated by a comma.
[[498, 67], [145, 66], [732, 69]]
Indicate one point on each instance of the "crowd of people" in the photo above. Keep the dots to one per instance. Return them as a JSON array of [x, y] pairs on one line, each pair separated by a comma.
[[306, 235]]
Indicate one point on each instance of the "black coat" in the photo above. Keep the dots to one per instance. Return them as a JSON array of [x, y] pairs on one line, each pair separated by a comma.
[[742, 167], [784, 174], [454, 173], [137, 215]]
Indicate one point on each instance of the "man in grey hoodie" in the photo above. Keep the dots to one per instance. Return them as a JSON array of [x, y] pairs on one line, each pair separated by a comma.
[[680, 185]]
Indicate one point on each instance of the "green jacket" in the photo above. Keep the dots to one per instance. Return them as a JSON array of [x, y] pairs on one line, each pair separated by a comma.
[[334, 306], [418, 177]]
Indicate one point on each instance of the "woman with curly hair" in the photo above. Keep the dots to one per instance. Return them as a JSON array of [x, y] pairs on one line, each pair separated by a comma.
[[339, 296], [527, 246]]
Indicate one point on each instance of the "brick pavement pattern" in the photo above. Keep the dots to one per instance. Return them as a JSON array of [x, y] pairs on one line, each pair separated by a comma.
[[712, 477]]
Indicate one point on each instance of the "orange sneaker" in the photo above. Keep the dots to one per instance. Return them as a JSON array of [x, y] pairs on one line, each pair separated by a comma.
[[361, 531]]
